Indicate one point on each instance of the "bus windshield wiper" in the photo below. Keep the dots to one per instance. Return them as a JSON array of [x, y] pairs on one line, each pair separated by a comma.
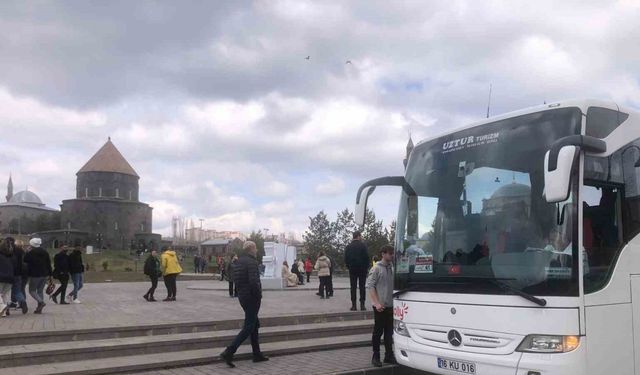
[[525, 295]]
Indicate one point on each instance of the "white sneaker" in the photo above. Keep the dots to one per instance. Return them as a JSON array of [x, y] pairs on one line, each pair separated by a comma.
[[3, 310], [76, 301]]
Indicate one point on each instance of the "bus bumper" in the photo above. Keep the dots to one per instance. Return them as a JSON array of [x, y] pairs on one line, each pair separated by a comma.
[[411, 354]]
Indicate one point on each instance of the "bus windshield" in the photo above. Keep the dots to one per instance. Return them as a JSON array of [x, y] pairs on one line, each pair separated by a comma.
[[479, 215]]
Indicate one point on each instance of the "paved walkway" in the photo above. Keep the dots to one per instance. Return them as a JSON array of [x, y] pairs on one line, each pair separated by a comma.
[[325, 362], [121, 304]]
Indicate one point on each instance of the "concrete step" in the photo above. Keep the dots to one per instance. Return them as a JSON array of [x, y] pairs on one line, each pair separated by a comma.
[[41, 337], [21, 355], [140, 362]]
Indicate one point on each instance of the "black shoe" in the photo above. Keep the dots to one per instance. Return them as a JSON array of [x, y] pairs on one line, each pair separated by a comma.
[[13, 305], [260, 358], [23, 307], [146, 297], [376, 360], [321, 297], [391, 359], [362, 307], [227, 358], [38, 309], [166, 299], [318, 294], [54, 298], [64, 303], [151, 299], [353, 307]]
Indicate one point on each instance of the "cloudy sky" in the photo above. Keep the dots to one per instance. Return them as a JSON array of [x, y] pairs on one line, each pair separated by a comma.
[[215, 106]]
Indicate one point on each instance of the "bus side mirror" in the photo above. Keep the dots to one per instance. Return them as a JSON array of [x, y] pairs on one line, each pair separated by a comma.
[[559, 160], [557, 182], [368, 187], [361, 205]]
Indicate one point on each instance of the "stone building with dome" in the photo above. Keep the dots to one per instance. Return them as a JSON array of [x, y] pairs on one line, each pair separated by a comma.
[[106, 212], [24, 213], [514, 198]]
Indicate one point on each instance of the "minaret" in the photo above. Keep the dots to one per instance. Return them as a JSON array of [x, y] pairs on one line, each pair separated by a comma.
[[9, 189], [408, 150]]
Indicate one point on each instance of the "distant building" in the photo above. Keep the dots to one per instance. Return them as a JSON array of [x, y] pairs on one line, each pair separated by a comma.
[[24, 213], [219, 247], [514, 198], [106, 212]]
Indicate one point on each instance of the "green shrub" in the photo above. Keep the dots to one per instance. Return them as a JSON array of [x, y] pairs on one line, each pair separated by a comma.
[[105, 265]]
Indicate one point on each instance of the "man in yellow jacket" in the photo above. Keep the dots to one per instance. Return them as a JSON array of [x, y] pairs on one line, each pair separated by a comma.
[[170, 271]]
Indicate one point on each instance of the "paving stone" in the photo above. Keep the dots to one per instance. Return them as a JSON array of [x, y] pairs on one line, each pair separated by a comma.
[[121, 304]]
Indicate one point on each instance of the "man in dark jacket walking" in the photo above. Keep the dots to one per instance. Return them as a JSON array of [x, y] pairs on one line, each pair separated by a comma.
[[76, 268], [356, 258], [6, 277], [39, 270], [152, 269], [246, 274], [61, 272], [19, 278]]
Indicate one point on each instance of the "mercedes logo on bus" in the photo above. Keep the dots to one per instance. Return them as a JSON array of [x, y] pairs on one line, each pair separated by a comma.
[[454, 337]]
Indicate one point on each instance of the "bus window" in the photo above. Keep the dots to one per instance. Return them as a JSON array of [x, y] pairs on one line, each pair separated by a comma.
[[611, 211]]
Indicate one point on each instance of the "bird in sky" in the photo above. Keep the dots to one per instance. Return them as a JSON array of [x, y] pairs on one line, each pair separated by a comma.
[[307, 58], [348, 62]]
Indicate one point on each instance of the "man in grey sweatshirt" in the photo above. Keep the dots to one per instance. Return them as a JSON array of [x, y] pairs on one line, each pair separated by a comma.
[[380, 286]]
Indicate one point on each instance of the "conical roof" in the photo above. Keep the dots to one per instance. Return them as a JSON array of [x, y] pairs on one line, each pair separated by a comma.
[[108, 159]]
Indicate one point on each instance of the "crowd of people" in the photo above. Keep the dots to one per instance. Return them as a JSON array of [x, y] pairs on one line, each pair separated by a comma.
[[31, 266]]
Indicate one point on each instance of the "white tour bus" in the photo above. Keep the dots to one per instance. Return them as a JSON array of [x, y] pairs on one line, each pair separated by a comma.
[[517, 247]]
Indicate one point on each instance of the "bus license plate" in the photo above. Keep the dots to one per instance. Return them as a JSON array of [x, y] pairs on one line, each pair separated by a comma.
[[459, 366]]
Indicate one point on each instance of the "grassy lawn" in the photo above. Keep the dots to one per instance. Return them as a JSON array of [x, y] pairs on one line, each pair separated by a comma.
[[120, 266]]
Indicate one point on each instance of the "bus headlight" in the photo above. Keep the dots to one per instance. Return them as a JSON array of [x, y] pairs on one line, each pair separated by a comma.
[[400, 328], [549, 344]]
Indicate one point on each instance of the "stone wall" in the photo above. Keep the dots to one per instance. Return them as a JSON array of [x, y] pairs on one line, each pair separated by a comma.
[[110, 223], [107, 185]]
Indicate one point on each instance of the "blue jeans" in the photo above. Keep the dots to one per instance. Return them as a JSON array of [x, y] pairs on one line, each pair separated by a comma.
[[250, 327], [17, 294], [77, 284]]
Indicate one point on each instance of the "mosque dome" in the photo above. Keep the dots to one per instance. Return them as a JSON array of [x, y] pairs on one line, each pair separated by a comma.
[[27, 197], [512, 190]]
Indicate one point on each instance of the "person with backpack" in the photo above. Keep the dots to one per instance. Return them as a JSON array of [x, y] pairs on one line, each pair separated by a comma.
[[152, 269]]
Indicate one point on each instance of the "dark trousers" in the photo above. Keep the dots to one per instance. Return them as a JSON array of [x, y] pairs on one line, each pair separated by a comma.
[[358, 279], [170, 283], [250, 328], [300, 277], [233, 289], [330, 285], [62, 289], [154, 285], [17, 289], [383, 323], [308, 275], [324, 286]]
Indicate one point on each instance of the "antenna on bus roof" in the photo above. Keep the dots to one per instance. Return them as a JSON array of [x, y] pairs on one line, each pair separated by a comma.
[[489, 103]]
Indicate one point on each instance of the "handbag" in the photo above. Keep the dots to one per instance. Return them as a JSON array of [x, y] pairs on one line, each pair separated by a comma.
[[50, 287]]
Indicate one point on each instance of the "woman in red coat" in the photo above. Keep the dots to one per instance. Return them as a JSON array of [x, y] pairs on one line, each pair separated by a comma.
[[308, 267]]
